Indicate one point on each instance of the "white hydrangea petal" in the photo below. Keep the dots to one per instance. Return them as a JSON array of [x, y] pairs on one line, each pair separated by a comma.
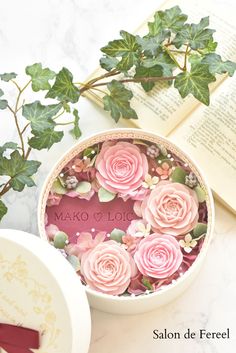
[[188, 238], [187, 249], [182, 243]]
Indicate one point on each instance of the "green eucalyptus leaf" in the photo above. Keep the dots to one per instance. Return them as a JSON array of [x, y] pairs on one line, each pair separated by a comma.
[[108, 63], [155, 71], [196, 35], [217, 65], [8, 76], [40, 116], [83, 187], [74, 261], [178, 175], [58, 188], [40, 76], [117, 235], [3, 210], [195, 82], [19, 170], [76, 132], [105, 195], [201, 228], [3, 102], [63, 88], [118, 101], [45, 139], [201, 195], [60, 240], [126, 48]]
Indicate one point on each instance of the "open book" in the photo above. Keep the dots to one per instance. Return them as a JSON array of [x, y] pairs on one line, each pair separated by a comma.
[[208, 134]]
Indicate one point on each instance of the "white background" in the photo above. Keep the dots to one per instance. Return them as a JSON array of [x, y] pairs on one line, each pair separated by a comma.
[[69, 33]]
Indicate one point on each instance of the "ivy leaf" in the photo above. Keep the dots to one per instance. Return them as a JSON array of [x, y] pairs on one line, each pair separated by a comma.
[[45, 139], [151, 45], [63, 88], [156, 26], [8, 76], [218, 66], [196, 35], [210, 48], [155, 71], [126, 48], [40, 76], [40, 116], [195, 82], [3, 210], [172, 18], [108, 63], [76, 132], [19, 170], [8, 145], [118, 101], [163, 60], [3, 102]]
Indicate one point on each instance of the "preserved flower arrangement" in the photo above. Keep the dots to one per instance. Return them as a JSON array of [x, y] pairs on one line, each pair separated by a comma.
[[129, 214]]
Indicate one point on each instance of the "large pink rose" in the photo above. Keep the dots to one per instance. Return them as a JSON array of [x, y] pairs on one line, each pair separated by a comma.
[[158, 256], [171, 208], [121, 167], [108, 268]]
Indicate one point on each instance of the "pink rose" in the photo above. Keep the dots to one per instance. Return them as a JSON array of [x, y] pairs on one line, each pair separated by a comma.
[[108, 268], [121, 167], [85, 242], [158, 256], [53, 199], [171, 208]]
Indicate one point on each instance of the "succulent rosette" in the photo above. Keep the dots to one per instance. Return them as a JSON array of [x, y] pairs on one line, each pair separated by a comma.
[[164, 233]]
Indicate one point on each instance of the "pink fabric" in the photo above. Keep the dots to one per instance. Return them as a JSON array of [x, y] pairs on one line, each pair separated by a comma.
[[158, 256], [171, 208], [121, 167], [108, 268]]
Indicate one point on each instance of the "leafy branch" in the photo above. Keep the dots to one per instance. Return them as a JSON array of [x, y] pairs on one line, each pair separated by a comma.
[[172, 51]]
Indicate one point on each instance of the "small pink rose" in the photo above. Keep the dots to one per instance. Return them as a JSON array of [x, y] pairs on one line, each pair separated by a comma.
[[121, 167], [108, 268], [171, 208], [158, 256], [53, 199], [131, 243]]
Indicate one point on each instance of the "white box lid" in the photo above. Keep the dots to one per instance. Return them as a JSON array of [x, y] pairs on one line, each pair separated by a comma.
[[40, 290]]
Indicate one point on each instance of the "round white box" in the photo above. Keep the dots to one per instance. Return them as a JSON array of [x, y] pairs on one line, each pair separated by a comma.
[[144, 303], [40, 290]]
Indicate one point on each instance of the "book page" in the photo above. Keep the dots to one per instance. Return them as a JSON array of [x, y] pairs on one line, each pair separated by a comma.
[[162, 109], [209, 136]]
